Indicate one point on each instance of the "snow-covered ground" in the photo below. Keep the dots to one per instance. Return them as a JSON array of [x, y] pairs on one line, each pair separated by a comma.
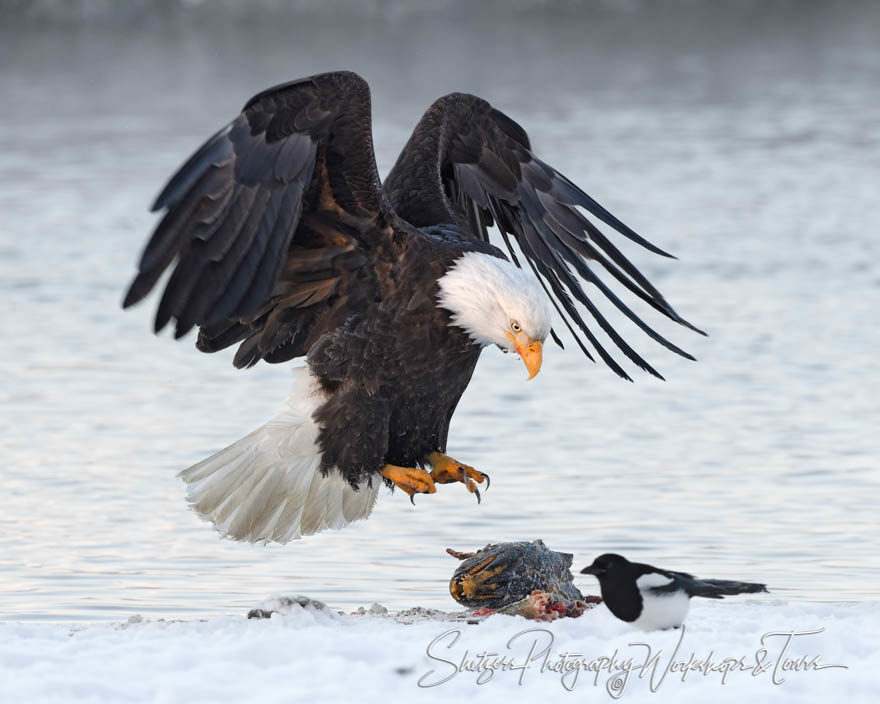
[[315, 654]]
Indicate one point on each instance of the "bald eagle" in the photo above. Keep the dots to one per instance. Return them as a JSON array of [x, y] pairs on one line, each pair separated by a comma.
[[283, 240]]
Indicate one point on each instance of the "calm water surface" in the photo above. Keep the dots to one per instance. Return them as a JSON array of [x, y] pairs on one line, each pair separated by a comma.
[[744, 142]]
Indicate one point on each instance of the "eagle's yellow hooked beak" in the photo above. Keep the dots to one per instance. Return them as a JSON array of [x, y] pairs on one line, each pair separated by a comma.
[[531, 352]]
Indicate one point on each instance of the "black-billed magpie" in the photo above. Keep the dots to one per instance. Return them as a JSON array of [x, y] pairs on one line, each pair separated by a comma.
[[650, 598]]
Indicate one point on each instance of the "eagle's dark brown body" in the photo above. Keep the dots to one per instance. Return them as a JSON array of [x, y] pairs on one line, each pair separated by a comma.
[[396, 370]]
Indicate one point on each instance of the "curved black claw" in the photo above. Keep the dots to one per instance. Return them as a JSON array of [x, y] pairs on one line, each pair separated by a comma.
[[488, 481], [465, 479], [412, 499]]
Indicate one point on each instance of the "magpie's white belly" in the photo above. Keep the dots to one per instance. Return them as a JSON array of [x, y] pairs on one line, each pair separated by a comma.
[[662, 611]]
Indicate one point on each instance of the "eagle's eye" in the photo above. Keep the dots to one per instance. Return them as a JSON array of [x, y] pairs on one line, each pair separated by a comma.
[[515, 326]]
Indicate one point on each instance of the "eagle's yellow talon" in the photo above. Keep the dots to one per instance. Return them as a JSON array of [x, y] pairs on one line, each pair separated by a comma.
[[410, 481], [447, 470]]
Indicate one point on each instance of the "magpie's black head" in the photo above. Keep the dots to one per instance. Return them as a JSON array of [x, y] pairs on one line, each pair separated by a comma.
[[606, 565]]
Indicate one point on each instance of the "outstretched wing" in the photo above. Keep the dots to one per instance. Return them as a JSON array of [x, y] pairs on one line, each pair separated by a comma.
[[470, 162], [267, 223]]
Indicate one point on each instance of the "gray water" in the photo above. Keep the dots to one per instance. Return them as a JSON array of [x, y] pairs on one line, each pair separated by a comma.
[[743, 138]]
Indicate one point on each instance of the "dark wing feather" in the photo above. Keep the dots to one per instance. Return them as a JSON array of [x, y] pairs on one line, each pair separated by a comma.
[[268, 223], [469, 163], [706, 588]]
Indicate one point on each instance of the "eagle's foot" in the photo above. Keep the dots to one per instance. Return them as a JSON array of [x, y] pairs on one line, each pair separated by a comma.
[[447, 470], [408, 480]]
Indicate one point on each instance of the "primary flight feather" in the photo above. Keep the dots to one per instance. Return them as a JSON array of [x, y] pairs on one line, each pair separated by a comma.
[[282, 240]]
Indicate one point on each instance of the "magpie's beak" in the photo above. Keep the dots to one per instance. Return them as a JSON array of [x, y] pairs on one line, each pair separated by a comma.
[[592, 569]]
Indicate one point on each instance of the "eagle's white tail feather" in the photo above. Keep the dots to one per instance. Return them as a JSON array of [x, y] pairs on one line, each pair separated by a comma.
[[268, 485]]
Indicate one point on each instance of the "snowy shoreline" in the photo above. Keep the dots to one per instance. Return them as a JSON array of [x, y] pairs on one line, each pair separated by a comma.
[[314, 652]]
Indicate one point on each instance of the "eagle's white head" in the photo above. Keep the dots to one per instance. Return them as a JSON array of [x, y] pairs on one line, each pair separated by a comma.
[[497, 303]]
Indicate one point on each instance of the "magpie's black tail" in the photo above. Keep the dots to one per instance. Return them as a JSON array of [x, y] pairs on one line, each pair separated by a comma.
[[719, 588]]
